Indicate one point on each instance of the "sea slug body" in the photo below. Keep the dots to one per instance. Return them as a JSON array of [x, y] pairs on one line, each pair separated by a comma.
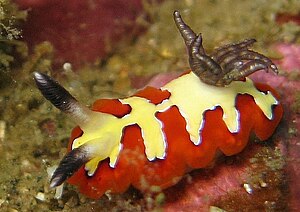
[[157, 135]]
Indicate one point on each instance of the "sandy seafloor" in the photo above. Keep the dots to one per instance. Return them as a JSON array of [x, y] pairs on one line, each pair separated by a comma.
[[34, 134]]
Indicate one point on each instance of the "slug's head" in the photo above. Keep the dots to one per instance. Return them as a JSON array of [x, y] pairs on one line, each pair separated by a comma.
[[91, 145]]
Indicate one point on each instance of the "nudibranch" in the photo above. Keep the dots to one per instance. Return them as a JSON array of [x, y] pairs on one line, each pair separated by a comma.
[[153, 138]]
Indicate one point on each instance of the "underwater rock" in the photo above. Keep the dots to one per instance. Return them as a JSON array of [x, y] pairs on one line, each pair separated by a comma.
[[80, 31], [291, 98]]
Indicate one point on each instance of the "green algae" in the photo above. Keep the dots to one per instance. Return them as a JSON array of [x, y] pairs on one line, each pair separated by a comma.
[[27, 150], [296, 104], [10, 33]]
